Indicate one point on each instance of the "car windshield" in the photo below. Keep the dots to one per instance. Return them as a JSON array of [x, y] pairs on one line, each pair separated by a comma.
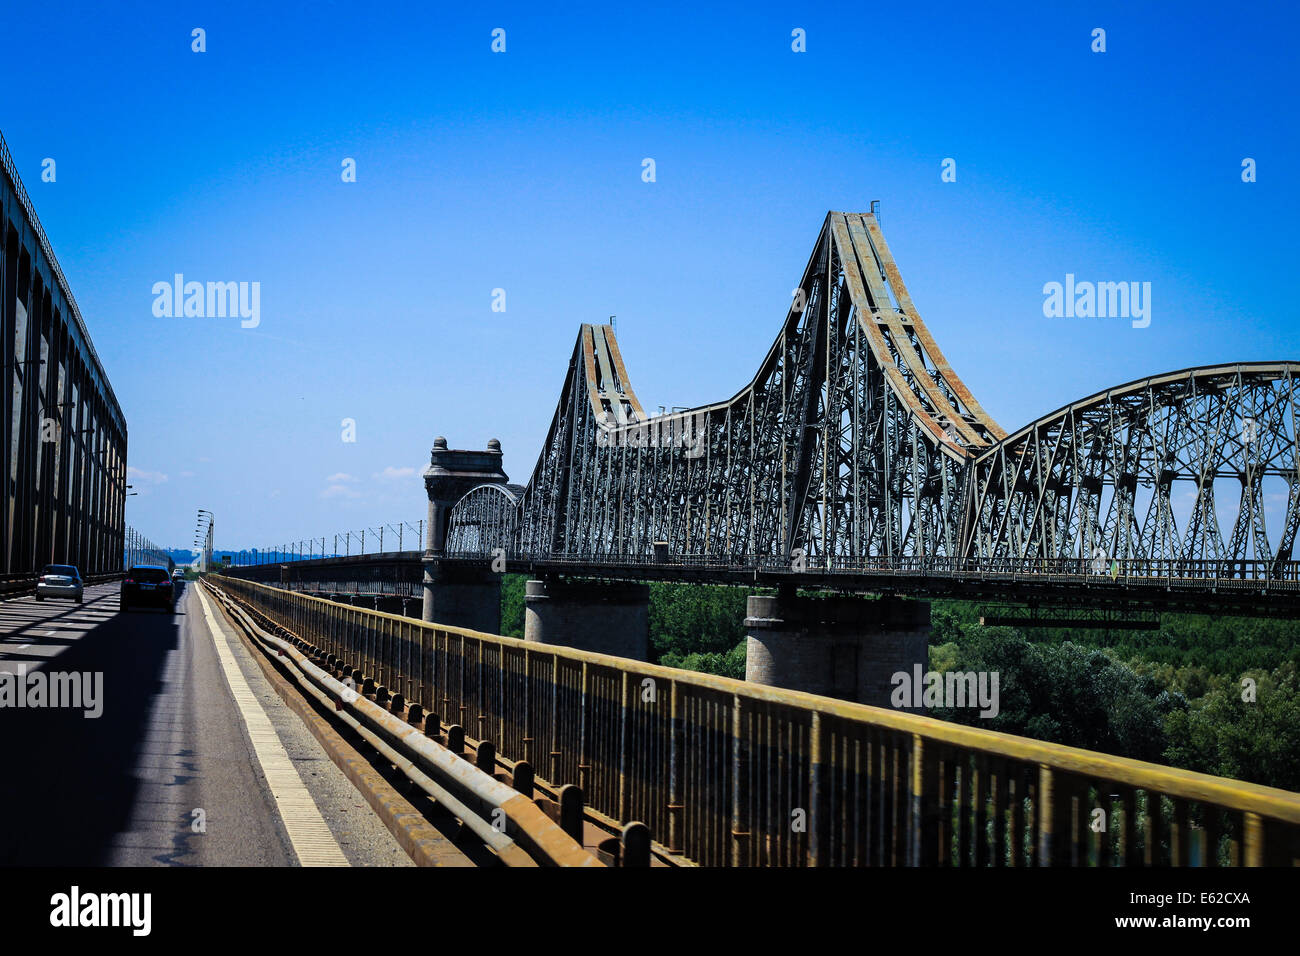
[[149, 575], [63, 569]]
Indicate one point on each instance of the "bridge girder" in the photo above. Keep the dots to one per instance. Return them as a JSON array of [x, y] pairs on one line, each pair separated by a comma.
[[856, 445]]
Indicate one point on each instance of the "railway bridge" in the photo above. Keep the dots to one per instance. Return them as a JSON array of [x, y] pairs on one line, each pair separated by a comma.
[[856, 462], [853, 479]]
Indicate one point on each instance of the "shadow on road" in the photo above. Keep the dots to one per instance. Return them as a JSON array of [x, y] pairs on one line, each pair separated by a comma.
[[69, 783]]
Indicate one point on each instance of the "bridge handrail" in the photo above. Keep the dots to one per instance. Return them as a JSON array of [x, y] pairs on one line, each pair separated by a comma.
[[741, 723], [1143, 572]]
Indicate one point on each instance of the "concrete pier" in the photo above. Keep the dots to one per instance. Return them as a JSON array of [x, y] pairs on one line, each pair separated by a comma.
[[608, 618], [837, 646]]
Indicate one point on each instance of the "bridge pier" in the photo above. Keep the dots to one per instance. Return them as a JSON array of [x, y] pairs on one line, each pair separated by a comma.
[[838, 646], [459, 596], [454, 595], [604, 617]]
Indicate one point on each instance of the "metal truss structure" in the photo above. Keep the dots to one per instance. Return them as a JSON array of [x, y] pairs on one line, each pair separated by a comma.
[[1170, 473], [64, 434], [485, 519], [856, 447]]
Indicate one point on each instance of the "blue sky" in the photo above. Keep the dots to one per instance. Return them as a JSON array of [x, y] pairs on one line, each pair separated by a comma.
[[522, 171]]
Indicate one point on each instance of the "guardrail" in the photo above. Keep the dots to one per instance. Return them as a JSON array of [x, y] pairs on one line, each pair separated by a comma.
[[506, 819], [1128, 571], [1125, 571], [728, 773]]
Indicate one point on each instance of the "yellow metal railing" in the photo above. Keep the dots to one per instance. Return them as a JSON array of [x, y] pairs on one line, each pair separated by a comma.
[[728, 773]]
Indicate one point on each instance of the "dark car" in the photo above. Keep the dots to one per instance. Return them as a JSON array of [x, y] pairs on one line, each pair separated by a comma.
[[147, 585]]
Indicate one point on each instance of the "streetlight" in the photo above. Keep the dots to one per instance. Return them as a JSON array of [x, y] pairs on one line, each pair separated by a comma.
[[205, 557]]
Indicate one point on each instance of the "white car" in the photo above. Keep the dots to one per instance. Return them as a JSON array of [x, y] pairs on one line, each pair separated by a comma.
[[59, 581]]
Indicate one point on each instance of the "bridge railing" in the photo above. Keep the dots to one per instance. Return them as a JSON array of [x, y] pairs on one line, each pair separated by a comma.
[[1171, 572], [729, 773], [1283, 575]]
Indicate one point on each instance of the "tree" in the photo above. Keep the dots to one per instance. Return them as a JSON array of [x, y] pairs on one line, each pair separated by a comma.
[[1063, 693], [1258, 740]]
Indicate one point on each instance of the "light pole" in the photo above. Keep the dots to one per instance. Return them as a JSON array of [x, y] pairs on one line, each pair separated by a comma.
[[205, 556]]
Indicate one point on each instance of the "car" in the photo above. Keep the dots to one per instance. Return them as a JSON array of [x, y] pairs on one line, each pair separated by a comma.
[[59, 580], [147, 585]]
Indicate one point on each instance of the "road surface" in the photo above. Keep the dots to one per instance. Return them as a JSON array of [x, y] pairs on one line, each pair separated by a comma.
[[193, 760]]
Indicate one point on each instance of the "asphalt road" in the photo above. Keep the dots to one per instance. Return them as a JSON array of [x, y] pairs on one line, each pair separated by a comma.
[[168, 773]]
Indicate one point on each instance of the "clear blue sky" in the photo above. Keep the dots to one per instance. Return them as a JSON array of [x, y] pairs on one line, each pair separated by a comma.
[[522, 171]]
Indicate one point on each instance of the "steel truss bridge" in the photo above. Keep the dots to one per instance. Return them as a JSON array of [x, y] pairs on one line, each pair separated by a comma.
[[856, 458]]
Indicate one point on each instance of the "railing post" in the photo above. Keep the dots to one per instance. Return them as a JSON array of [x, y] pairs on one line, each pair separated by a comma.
[[485, 758], [740, 826], [925, 802], [819, 851], [623, 777], [636, 845], [584, 731], [460, 717], [676, 737], [571, 811], [554, 752], [528, 707], [1253, 827], [456, 739], [1045, 814], [521, 778], [501, 695], [1179, 845]]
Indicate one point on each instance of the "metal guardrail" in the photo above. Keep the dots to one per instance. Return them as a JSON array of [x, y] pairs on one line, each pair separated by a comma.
[[504, 818], [728, 773], [1072, 570], [1130, 572]]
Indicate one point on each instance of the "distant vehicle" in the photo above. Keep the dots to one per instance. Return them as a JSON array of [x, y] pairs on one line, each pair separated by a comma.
[[59, 581], [147, 585]]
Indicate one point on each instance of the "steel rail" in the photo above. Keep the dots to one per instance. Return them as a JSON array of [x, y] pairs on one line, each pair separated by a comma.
[[448, 779], [719, 768]]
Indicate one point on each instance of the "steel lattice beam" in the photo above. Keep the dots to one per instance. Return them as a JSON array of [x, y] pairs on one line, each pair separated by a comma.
[[856, 446]]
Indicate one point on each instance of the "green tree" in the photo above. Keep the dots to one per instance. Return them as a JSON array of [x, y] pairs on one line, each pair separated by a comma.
[[1256, 741], [695, 618], [1063, 693], [512, 605], [729, 664]]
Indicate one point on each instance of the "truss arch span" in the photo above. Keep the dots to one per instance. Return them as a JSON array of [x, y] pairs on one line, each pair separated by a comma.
[[483, 520], [1190, 473]]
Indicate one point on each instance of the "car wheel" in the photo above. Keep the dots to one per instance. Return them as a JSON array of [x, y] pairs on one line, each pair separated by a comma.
[[78, 598], [39, 598]]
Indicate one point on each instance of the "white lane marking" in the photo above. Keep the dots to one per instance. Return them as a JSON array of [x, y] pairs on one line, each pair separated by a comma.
[[308, 832]]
